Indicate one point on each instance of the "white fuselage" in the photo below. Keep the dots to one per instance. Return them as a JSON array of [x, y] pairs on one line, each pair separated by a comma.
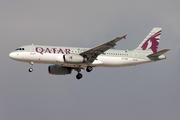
[[66, 59], [51, 55]]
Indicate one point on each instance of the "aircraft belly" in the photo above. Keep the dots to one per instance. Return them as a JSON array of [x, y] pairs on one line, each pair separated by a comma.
[[101, 61], [48, 58]]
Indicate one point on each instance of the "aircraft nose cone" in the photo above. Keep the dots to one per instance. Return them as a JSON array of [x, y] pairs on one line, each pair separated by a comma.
[[12, 55]]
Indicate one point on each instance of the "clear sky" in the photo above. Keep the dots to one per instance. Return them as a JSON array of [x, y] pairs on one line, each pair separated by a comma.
[[145, 92]]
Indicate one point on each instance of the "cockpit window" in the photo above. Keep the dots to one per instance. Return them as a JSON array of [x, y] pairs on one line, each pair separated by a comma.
[[19, 49]]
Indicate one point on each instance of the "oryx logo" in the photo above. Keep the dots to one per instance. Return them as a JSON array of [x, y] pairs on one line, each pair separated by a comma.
[[71, 57], [152, 43]]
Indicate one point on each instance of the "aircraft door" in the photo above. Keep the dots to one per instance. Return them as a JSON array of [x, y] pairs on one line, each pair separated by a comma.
[[135, 55], [33, 54], [32, 48]]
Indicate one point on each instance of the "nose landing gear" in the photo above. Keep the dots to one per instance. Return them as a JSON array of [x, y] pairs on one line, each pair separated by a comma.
[[31, 65], [30, 69]]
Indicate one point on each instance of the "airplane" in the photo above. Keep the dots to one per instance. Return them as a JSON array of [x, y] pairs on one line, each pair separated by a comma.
[[66, 59]]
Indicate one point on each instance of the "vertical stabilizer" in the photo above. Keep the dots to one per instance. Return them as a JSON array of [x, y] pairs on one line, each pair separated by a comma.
[[151, 42]]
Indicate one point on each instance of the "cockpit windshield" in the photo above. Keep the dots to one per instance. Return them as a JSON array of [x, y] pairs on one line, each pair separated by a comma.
[[19, 49]]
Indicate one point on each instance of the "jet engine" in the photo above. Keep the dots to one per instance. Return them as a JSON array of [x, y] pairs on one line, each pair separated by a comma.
[[59, 70], [73, 58]]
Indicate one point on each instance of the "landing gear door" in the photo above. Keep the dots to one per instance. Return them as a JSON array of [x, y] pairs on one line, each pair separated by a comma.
[[135, 55]]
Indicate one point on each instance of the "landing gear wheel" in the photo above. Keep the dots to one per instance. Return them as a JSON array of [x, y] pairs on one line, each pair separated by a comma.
[[79, 76], [30, 69], [31, 65], [89, 68]]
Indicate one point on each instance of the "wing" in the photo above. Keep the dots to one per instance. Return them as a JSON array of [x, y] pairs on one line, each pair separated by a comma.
[[92, 53]]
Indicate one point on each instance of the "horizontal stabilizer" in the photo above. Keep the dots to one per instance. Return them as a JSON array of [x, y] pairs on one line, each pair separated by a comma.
[[158, 53]]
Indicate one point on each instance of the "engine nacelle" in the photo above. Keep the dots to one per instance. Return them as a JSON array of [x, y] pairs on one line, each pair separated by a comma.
[[73, 58], [59, 70], [60, 58]]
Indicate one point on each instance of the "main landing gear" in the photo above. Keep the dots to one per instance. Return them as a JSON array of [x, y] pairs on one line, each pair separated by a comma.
[[31, 65], [89, 68], [79, 75]]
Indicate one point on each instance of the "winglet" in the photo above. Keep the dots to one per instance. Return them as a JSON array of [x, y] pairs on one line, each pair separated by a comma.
[[124, 36]]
